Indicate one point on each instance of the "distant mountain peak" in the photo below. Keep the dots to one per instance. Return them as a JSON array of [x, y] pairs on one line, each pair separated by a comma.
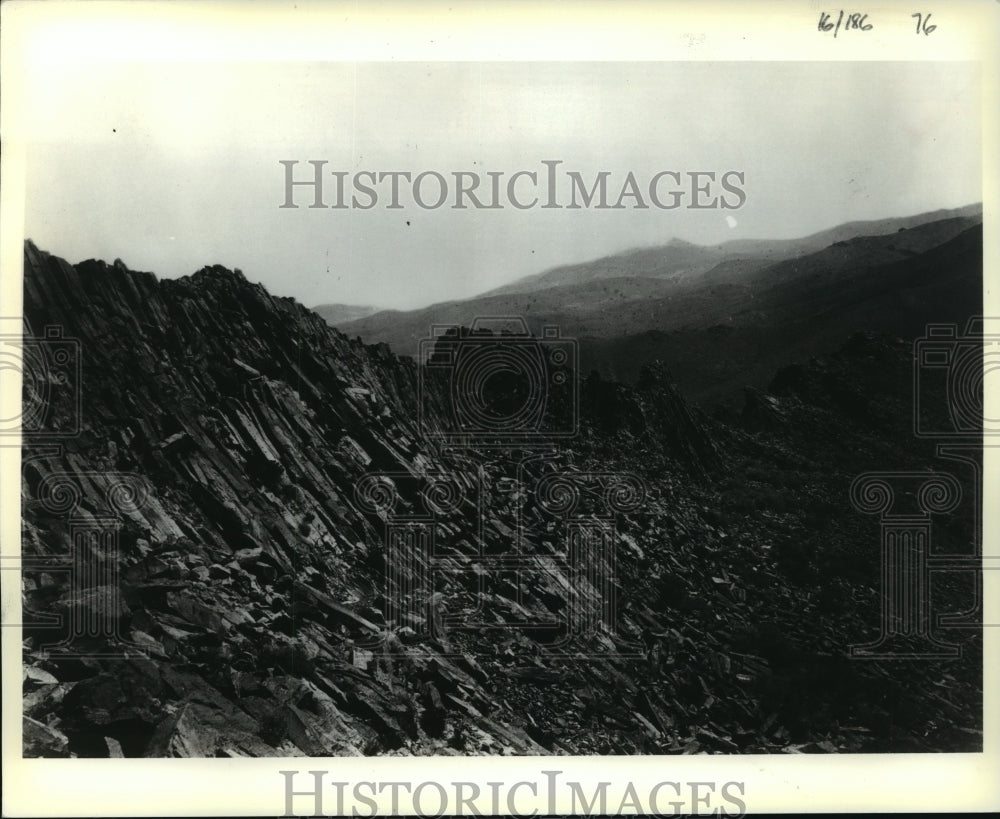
[[338, 313]]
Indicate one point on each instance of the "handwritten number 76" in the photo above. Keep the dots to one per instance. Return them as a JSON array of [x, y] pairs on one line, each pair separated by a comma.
[[922, 23]]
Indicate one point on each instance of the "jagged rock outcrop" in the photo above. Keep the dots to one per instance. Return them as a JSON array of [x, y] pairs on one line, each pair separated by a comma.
[[281, 562]]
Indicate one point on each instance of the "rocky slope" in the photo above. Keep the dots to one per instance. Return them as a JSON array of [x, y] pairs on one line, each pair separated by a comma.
[[252, 546]]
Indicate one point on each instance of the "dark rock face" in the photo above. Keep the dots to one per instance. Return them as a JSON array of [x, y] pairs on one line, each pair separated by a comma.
[[247, 546]]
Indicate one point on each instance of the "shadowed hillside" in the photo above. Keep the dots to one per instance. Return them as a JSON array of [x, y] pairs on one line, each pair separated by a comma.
[[244, 534]]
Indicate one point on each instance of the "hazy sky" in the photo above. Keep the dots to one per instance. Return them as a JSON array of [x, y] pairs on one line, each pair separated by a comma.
[[172, 166]]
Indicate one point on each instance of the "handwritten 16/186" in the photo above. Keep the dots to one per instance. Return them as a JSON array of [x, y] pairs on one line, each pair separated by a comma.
[[855, 20]]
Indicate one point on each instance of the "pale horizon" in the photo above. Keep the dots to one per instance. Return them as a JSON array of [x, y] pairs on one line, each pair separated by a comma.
[[380, 308], [172, 167]]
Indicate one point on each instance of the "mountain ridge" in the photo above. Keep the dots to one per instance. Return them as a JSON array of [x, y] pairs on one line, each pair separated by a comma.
[[737, 289], [756, 247]]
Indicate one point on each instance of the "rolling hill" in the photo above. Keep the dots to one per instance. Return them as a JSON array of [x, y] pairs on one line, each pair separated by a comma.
[[745, 307]]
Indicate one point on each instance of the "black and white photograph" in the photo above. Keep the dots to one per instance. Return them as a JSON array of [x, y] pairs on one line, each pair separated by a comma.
[[477, 408]]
